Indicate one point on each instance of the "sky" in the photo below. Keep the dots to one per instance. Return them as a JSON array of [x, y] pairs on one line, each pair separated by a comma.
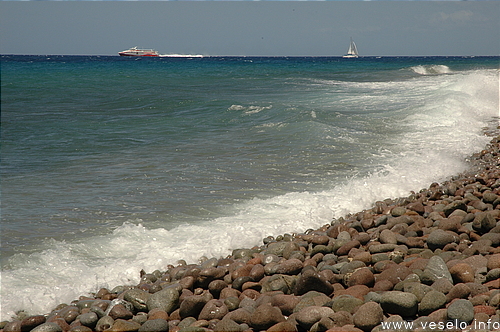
[[271, 28]]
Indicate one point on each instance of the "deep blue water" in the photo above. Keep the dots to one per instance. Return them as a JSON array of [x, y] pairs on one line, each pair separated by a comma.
[[111, 165]]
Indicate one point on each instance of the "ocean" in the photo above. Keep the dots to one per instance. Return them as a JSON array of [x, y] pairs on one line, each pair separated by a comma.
[[111, 165]]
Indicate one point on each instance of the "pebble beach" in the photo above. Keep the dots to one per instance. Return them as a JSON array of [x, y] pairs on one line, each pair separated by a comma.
[[426, 262]]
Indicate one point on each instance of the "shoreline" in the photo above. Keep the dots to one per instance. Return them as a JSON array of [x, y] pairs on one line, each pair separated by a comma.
[[430, 257]]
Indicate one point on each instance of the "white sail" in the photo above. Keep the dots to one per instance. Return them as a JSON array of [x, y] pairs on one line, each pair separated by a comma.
[[353, 51]]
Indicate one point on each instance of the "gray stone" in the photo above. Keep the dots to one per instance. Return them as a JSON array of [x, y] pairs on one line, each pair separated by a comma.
[[380, 248], [311, 280], [483, 222], [308, 316], [455, 205], [351, 267], [104, 323], [311, 298], [227, 325], [493, 274], [166, 300], [489, 197], [344, 236], [388, 236], [232, 302], [186, 322], [126, 304], [154, 325], [461, 310], [436, 268], [89, 319], [138, 298], [399, 303], [416, 288], [242, 253], [431, 301], [279, 282], [191, 306], [276, 248], [82, 304], [440, 238], [193, 329], [81, 328], [48, 327], [398, 211], [346, 303]]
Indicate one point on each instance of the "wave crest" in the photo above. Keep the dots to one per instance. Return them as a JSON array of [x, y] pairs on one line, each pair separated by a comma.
[[431, 69]]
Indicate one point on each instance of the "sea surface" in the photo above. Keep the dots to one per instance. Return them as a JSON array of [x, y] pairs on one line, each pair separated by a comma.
[[111, 165]]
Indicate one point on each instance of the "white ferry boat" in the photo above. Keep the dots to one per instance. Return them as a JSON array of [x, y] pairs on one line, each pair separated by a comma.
[[134, 51]]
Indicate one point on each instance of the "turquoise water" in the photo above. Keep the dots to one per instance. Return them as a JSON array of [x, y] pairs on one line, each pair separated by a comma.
[[112, 165]]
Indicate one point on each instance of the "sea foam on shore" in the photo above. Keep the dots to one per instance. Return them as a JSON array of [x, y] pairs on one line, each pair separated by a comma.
[[430, 257]]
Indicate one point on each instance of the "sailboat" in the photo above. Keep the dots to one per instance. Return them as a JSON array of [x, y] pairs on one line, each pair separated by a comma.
[[352, 52]]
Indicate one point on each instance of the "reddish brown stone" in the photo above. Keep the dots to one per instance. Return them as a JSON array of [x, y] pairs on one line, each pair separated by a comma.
[[368, 316], [286, 303], [320, 239], [286, 326], [462, 273], [243, 271], [362, 276], [122, 325], [69, 313], [336, 229], [415, 242], [266, 316], [256, 260], [229, 292], [347, 328], [257, 272], [418, 264], [493, 262], [417, 207], [383, 285], [61, 322], [310, 280], [439, 315], [214, 309], [394, 274], [358, 291], [459, 291], [157, 314], [494, 284], [310, 262], [363, 256], [240, 316], [450, 224], [290, 266], [484, 309], [31, 322], [120, 312], [344, 250]]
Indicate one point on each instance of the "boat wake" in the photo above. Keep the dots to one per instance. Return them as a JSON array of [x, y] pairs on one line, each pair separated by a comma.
[[181, 55]]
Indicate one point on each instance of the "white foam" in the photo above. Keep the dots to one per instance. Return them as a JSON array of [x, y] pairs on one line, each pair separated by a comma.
[[431, 69], [436, 137], [252, 109]]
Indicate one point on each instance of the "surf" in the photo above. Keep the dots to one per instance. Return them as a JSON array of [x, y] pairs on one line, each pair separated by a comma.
[[393, 138]]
